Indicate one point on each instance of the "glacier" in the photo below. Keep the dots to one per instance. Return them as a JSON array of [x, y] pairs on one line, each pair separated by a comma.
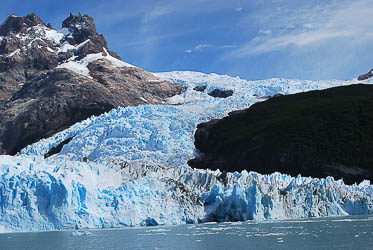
[[163, 134], [128, 167], [38, 194]]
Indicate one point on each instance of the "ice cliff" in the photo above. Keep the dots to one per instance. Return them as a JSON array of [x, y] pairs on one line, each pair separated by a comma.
[[128, 168], [38, 194]]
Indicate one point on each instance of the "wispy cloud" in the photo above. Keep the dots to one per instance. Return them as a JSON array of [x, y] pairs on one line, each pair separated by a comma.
[[265, 32], [312, 27], [156, 12], [150, 11], [201, 47]]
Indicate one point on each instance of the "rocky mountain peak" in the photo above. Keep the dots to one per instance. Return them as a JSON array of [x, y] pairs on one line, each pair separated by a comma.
[[81, 26], [50, 79], [83, 30], [17, 24]]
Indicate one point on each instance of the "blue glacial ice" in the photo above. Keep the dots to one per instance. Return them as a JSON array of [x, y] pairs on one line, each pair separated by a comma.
[[38, 194], [136, 172]]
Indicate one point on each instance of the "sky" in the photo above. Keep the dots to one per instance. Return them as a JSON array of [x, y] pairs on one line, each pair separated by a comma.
[[253, 39]]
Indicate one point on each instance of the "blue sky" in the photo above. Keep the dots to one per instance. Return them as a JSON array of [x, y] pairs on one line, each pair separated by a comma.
[[305, 39]]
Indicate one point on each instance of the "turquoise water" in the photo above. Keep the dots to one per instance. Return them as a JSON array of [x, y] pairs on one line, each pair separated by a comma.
[[327, 233]]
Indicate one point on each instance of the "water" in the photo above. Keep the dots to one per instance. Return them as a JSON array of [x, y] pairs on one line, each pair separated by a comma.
[[339, 233]]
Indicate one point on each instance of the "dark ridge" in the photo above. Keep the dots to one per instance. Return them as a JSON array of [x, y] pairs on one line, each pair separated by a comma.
[[217, 93], [316, 133], [58, 148], [40, 129], [200, 88], [366, 76]]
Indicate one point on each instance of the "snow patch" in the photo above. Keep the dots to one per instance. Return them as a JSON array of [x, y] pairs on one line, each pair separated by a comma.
[[49, 34], [64, 31], [116, 62], [16, 52], [77, 67], [80, 66], [66, 46], [79, 46]]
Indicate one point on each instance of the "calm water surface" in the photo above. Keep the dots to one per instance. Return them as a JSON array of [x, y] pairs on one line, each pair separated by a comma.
[[327, 233]]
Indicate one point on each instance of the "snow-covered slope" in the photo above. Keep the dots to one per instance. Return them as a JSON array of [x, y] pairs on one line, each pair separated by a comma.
[[136, 172]]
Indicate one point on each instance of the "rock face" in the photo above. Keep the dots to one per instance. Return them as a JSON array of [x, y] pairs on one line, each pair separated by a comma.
[[366, 76], [200, 88], [317, 133], [83, 28], [217, 93], [51, 79], [17, 24]]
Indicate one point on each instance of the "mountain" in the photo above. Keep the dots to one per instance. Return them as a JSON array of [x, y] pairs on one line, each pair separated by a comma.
[[50, 79], [115, 140], [317, 133]]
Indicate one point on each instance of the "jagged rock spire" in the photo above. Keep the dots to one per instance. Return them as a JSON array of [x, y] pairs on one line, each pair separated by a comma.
[[16, 24], [82, 28]]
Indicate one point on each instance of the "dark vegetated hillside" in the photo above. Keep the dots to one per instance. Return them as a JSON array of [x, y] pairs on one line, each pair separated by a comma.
[[316, 133]]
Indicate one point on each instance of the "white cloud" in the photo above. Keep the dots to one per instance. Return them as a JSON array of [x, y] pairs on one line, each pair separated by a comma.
[[198, 47], [265, 32], [308, 26], [201, 47], [157, 12], [320, 24]]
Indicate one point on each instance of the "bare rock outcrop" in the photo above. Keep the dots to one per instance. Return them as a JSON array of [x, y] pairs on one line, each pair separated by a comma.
[[366, 76]]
